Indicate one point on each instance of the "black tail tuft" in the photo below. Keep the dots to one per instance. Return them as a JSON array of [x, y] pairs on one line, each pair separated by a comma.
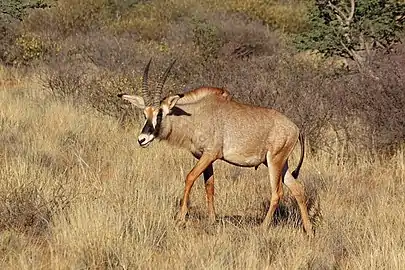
[[296, 172], [121, 94]]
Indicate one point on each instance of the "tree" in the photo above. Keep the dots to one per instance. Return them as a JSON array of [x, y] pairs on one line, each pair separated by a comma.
[[353, 29]]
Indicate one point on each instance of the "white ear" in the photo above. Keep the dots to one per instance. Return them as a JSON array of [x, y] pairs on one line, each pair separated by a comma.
[[172, 101], [135, 100]]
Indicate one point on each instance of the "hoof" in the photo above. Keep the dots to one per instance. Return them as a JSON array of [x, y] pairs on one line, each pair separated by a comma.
[[181, 223], [310, 233], [266, 225], [212, 220]]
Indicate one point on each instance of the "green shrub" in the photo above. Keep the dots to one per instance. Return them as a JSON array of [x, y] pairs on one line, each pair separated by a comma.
[[30, 47], [74, 16], [207, 38], [17, 9], [339, 28], [289, 16], [149, 19]]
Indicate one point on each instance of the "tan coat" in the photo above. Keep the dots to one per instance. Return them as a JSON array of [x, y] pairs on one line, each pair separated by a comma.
[[240, 134]]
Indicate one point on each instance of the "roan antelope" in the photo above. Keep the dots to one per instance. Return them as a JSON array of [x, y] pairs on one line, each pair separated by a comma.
[[211, 125]]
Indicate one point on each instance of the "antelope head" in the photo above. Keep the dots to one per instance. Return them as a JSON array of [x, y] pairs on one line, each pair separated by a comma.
[[154, 110]]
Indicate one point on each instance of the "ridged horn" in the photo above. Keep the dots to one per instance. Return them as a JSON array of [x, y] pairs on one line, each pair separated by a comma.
[[159, 88], [145, 88]]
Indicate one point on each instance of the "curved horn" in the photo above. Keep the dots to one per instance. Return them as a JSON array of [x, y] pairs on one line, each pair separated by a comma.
[[159, 88], [145, 88]]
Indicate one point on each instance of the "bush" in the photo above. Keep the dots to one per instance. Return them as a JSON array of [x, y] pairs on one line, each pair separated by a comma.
[[30, 48], [149, 20], [353, 30], [65, 79], [9, 33], [92, 81], [377, 104], [206, 37], [17, 9], [25, 209], [289, 16]]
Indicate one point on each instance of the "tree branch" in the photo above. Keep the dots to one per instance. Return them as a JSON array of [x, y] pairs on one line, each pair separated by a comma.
[[349, 52], [340, 14], [352, 8], [400, 18], [337, 10]]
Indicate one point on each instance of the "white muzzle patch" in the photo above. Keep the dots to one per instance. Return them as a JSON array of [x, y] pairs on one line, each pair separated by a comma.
[[145, 139]]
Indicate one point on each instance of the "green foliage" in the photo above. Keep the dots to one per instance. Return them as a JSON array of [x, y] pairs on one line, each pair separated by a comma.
[[150, 20], [375, 23], [207, 38], [75, 16], [30, 48], [288, 16], [18, 8]]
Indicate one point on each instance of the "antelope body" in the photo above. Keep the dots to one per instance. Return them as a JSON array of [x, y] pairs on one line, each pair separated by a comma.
[[212, 126]]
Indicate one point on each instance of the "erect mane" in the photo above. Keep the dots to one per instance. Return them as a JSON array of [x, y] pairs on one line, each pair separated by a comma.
[[198, 94]]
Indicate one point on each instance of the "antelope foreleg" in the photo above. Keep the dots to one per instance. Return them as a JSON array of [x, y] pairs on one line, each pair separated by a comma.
[[202, 164], [209, 192]]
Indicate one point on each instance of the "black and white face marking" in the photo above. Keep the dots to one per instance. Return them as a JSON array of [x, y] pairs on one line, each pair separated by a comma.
[[154, 118], [151, 128]]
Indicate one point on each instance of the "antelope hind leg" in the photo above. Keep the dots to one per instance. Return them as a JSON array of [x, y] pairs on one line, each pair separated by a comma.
[[275, 169], [298, 192]]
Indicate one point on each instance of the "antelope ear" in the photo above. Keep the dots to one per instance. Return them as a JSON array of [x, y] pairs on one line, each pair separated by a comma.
[[172, 100], [135, 100]]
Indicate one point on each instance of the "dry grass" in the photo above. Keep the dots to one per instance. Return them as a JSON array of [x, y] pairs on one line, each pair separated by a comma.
[[77, 193]]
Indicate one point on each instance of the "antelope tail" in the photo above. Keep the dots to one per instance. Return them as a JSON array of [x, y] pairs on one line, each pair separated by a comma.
[[296, 172]]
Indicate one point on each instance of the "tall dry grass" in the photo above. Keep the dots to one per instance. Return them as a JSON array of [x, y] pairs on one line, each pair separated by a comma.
[[77, 193]]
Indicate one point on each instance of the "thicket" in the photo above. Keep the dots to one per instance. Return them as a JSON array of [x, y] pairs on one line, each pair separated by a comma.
[[353, 29], [88, 51]]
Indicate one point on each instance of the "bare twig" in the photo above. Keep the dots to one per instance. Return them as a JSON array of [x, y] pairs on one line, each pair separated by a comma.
[[351, 53], [342, 17], [352, 8]]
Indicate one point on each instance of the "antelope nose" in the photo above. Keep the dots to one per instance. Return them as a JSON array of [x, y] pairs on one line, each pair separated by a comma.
[[140, 141]]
